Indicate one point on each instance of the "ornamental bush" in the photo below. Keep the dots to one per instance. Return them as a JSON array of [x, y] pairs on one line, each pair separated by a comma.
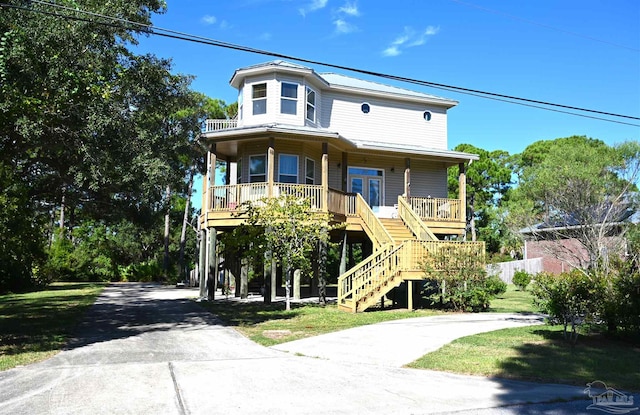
[[521, 279]]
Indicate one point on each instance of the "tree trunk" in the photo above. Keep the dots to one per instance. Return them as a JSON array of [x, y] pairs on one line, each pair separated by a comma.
[[165, 265], [287, 286], [185, 223], [62, 207]]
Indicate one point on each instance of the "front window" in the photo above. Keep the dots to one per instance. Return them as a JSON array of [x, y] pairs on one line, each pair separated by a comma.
[[259, 96], [289, 98], [287, 168], [311, 105], [310, 171], [258, 169], [240, 104]]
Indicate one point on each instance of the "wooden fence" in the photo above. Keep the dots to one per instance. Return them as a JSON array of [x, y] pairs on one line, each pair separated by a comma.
[[505, 270]]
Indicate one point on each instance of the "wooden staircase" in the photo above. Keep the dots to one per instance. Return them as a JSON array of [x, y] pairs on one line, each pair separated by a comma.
[[398, 230], [401, 247]]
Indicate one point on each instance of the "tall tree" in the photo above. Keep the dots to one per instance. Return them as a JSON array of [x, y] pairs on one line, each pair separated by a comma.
[[581, 189], [488, 180], [84, 119]]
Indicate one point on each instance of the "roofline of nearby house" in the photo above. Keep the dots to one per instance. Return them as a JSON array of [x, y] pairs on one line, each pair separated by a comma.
[[532, 230]]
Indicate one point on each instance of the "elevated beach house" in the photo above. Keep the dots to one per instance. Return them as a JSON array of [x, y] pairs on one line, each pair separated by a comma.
[[374, 156]]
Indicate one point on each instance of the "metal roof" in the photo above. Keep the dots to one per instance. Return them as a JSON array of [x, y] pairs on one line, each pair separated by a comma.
[[350, 82]]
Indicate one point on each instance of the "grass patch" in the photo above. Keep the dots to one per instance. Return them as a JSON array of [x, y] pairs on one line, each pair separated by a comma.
[[539, 353], [513, 301], [36, 325], [271, 324]]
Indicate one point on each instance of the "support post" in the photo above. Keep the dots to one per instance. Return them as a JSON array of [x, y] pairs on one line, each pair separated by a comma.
[[325, 177], [266, 267], [271, 155], [345, 171], [296, 284], [244, 279], [343, 253], [410, 295], [213, 264], [407, 178], [202, 263], [462, 191]]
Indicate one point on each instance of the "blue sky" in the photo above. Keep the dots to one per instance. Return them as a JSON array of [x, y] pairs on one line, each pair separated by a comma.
[[582, 53]]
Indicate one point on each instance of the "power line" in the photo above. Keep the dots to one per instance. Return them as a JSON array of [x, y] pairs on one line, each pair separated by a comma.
[[568, 32], [150, 29]]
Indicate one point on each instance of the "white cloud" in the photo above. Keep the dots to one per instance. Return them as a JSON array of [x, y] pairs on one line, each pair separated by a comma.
[[343, 26], [409, 39], [431, 30], [224, 25], [208, 19], [265, 36], [350, 9], [391, 51], [313, 6]]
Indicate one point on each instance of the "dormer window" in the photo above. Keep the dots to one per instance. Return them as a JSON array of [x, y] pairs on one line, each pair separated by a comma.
[[259, 96], [311, 105], [289, 98]]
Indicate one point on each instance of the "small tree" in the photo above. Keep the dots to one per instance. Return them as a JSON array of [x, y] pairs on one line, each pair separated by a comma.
[[290, 230]]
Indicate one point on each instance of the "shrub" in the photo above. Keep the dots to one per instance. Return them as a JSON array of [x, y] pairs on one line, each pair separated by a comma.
[[495, 286], [521, 279], [459, 282], [572, 299]]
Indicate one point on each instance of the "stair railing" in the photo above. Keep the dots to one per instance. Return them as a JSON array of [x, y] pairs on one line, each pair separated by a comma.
[[413, 221], [372, 225]]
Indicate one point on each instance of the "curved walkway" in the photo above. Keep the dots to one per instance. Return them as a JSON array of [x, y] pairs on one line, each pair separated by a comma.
[[145, 349], [399, 342]]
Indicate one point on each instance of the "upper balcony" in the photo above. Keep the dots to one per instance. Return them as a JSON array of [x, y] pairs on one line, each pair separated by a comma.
[[216, 125]]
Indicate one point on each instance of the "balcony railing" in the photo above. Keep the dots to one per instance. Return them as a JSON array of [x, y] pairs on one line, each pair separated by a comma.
[[215, 125], [437, 209], [230, 197]]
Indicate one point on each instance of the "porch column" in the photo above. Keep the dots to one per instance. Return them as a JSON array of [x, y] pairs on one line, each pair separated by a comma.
[[211, 175], [407, 178], [213, 264], [325, 177], [271, 155], [345, 171], [462, 191], [410, 295]]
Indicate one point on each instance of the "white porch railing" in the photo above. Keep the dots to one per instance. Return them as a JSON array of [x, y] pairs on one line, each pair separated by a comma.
[[215, 125]]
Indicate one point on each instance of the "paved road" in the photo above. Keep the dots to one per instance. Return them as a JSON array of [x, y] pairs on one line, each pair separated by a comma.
[[145, 349]]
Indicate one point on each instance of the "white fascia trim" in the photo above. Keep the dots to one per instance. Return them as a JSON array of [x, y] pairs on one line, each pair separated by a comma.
[[448, 103], [417, 150]]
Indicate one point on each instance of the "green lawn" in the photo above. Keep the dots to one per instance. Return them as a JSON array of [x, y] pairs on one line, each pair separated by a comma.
[[513, 301], [271, 324], [540, 353], [36, 325]]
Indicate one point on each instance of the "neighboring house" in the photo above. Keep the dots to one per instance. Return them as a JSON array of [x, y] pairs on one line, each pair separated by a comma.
[[560, 251], [374, 156]]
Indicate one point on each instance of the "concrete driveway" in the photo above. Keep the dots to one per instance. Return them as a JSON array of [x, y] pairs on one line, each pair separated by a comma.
[[146, 349]]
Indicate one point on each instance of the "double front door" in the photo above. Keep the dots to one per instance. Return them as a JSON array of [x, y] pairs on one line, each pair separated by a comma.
[[368, 183]]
